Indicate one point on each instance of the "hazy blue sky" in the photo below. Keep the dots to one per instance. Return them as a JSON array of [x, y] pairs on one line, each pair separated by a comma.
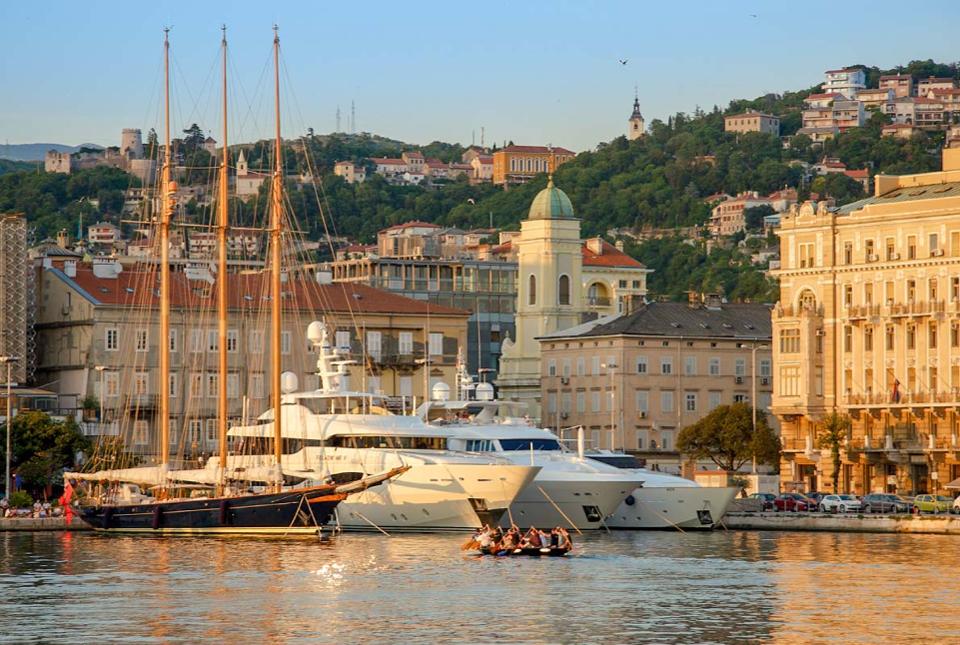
[[533, 72]]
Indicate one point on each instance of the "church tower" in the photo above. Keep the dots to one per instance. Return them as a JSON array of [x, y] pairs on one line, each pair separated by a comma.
[[635, 128], [550, 291], [242, 169]]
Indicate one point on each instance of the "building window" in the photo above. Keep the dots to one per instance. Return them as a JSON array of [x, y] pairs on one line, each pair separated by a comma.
[[255, 342], [595, 401], [715, 400], [911, 336], [891, 249], [789, 341], [374, 344], [173, 340], [343, 341], [142, 340], [233, 341], [140, 433], [868, 338], [140, 383], [643, 401], [932, 289], [954, 334], [868, 293], [932, 335], [868, 251], [196, 384], [285, 342], [552, 402], [691, 401], [848, 252], [565, 368], [740, 367], [581, 401], [911, 247], [173, 386], [196, 340], [213, 384], [233, 385], [581, 366], [891, 337], [595, 365], [666, 401], [666, 365], [194, 429], [552, 367], [714, 367], [848, 295], [847, 338], [690, 365], [405, 345], [641, 364], [789, 381], [532, 288], [256, 385], [436, 344], [112, 340], [564, 290], [934, 244], [766, 368], [213, 340]]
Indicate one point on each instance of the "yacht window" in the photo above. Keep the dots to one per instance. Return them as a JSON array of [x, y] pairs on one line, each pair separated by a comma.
[[524, 444], [388, 441], [479, 445]]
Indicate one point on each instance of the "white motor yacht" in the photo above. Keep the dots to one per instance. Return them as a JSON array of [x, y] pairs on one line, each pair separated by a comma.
[[664, 501], [569, 490], [331, 433]]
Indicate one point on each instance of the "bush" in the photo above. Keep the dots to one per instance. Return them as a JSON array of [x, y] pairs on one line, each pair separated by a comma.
[[21, 499]]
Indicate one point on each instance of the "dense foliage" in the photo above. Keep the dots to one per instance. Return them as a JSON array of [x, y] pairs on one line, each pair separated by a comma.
[[42, 448], [726, 437]]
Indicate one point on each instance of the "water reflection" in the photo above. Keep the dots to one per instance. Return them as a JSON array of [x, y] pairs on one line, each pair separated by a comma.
[[639, 587]]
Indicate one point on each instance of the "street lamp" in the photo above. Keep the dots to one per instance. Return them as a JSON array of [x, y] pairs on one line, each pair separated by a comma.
[[101, 369], [9, 361], [613, 424], [753, 398]]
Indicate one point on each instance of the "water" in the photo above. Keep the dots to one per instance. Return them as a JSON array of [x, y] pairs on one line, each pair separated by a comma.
[[625, 587]]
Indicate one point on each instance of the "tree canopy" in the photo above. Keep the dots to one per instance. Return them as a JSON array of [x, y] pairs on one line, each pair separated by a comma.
[[42, 447], [726, 437]]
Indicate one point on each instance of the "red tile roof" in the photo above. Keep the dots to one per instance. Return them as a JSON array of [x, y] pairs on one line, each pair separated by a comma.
[[387, 161], [538, 150], [411, 224], [610, 256], [818, 97], [137, 287], [857, 174]]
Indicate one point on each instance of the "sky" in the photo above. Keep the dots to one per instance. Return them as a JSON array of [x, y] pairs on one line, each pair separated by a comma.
[[532, 72]]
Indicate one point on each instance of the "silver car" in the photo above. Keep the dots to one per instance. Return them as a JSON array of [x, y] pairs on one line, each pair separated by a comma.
[[840, 503]]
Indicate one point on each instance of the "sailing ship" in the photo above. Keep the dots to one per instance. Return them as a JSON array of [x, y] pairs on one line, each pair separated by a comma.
[[254, 501]]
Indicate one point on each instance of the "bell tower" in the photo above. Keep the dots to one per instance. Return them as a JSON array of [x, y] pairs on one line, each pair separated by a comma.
[[635, 128]]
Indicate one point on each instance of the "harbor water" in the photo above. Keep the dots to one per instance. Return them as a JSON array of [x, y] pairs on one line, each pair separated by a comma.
[[724, 586]]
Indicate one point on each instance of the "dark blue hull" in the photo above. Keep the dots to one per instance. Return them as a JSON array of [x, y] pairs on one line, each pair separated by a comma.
[[300, 511]]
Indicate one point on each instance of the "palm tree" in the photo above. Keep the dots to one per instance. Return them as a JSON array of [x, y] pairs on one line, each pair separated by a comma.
[[832, 435]]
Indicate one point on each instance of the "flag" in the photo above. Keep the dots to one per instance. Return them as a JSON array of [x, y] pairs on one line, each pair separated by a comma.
[[895, 395]]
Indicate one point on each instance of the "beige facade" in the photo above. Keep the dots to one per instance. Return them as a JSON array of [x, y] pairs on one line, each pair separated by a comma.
[[635, 381], [108, 319], [868, 325], [519, 164], [752, 121]]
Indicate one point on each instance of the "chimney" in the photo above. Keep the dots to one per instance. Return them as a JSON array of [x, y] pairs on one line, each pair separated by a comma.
[[595, 244], [619, 245], [713, 301], [70, 268], [693, 299], [106, 268]]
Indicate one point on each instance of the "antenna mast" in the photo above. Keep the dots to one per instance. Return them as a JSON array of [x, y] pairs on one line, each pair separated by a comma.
[[222, 223]]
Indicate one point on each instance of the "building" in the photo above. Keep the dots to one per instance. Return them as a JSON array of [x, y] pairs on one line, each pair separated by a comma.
[[932, 83], [848, 81], [210, 145], [868, 326], [876, 98], [561, 282], [101, 316], [16, 294], [248, 182], [482, 166], [634, 381], [131, 143], [352, 173], [635, 127], [901, 84], [103, 233], [898, 130], [828, 113], [54, 161], [727, 217], [519, 164], [752, 121]]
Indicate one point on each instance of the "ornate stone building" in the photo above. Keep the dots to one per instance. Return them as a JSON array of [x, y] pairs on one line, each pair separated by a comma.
[[868, 325]]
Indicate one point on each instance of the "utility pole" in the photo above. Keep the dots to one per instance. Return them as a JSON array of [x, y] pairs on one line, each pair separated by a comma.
[[338, 118], [353, 117]]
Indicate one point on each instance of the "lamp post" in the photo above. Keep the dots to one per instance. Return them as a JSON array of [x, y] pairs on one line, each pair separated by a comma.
[[753, 398], [9, 361], [101, 369], [613, 408]]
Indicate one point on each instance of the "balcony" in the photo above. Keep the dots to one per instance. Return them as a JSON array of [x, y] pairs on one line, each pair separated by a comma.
[[598, 301], [142, 402], [946, 398]]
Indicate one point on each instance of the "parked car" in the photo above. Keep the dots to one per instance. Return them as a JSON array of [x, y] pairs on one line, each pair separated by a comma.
[[885, 503], [816, 497], [956, 505], [840, 503], [765, 500], [932, 504], [793, 502]]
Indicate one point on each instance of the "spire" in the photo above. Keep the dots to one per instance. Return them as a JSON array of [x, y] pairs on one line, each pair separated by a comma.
[[636, 104]]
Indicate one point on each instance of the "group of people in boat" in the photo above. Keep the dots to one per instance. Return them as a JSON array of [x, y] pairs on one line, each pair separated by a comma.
[[495, 540]]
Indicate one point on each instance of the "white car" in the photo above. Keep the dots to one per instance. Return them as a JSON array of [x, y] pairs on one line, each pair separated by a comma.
[[840, 503], [956, 506]]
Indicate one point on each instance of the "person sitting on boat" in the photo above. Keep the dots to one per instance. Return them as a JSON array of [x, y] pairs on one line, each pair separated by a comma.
[[555, 537], [509, 541], [564, 541], [532, 538], [485, 539]]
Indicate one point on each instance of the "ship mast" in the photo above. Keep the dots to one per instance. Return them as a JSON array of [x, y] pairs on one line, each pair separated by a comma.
[[222, 222], [167, 189], [276, 215]]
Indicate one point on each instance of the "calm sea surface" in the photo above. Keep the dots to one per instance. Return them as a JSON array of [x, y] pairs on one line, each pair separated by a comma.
[[625, 587]]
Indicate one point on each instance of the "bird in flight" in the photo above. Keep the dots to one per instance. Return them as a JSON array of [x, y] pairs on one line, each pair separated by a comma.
[[623, 61], [753, 15]]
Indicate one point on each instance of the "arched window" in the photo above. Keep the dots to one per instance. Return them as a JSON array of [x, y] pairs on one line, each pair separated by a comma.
[[808, 300], [532, 296], [564, 290]]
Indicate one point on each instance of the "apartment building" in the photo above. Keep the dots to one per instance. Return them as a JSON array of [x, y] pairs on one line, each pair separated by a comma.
[[901, 84], [519, 164], [752, 121], [848, 81], [868, 325], [634, 381], [98, 334]]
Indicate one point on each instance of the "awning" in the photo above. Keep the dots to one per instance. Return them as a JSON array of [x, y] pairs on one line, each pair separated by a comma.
[[954, 484]]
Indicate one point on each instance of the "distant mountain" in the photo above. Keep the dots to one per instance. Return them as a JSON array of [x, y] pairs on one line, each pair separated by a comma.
[[36, 151]]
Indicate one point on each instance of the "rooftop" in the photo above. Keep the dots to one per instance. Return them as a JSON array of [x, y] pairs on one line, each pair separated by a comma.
[[538, 150]]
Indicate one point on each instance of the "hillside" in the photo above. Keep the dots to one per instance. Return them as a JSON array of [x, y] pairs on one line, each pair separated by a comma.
[[36, 151]]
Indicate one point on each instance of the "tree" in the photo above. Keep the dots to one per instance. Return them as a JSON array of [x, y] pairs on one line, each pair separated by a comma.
[[193, 138], [833, 434], [753, 216], [42, 447], [726, 437]]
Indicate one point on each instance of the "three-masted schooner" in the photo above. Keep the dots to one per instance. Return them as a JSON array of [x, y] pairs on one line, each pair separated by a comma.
[[118, 504]]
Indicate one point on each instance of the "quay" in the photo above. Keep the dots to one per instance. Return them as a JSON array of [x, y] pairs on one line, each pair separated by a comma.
[[42, 524], [849, 523]]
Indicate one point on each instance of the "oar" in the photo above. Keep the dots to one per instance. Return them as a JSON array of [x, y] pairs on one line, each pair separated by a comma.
[[559, 510]]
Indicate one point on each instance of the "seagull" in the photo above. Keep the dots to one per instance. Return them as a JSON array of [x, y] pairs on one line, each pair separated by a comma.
[[623, 61], [753, 15]]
